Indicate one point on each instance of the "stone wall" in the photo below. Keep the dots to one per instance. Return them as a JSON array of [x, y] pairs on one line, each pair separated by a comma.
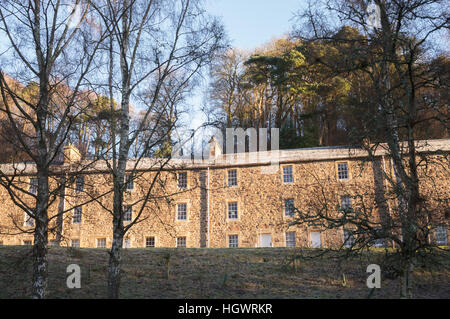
[[259, 195]]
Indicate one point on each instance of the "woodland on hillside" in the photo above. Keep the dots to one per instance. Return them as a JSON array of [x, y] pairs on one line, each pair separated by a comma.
[[301, 87], [318, 93], [111, 77]]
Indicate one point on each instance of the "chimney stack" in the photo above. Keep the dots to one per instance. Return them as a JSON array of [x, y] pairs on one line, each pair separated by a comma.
[[71, 154], [215, 150]]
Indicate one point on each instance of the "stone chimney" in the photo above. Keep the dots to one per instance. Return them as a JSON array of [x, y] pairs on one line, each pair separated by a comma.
[[215, 150], [366, 142], [71, 154]]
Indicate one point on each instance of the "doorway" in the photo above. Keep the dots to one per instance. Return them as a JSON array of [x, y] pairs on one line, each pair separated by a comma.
[[265, 240], [315, 240]]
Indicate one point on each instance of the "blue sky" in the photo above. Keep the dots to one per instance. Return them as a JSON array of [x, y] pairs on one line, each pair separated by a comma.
[[249, 24], [252, 23]]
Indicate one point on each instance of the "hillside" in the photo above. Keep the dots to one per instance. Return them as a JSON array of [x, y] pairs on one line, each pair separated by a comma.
[[221, 273]]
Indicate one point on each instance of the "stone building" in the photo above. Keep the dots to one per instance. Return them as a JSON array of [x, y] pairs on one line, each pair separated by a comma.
[[228, 200]]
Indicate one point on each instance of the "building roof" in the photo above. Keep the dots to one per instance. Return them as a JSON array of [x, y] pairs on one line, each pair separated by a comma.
[[229, 160]]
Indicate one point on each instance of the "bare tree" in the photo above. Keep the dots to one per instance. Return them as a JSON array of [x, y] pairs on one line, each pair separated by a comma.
[[150, 44], [44, 40], [394, 52]]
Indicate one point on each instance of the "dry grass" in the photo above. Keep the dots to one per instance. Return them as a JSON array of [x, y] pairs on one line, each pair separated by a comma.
[[218, 273]]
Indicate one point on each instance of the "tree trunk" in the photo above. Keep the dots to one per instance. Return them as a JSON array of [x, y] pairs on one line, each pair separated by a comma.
[[114, 263], [40, 248], [118, 231], [406, 280], [60, 217], [40, 263]]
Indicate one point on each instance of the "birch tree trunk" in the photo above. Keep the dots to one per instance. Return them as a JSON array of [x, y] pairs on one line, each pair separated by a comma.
[[118, 231], [115, 260], [40, 248], [42, 36], [152, 42]]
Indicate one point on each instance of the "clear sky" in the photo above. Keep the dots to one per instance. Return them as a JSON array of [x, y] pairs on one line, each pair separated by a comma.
[[252, 23], [249, 24]]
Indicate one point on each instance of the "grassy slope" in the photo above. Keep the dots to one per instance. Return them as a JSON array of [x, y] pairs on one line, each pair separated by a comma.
[[219, 273]]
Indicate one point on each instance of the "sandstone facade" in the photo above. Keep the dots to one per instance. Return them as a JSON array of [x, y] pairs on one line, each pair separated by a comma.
[[211, 211]]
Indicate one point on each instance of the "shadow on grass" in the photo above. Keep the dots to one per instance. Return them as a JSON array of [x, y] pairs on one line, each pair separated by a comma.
[[212, 273]]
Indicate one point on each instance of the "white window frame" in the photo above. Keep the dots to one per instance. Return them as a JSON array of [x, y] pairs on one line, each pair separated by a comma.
[[291, 242], [129, 182], [28, 221], [340, 172], [346, 202], [79, 186], [101, 240], [184, 180], [349, 238], [53, 242], [126, 244], [287, 212], [379, 242], [320, 237], [440, 233], [232, 178], [185, 242], [146, 241], [75, 243], [128, 213], [78, 214], [33, 189], [289, 176], [229, 211], [233, 241], [185, 212]]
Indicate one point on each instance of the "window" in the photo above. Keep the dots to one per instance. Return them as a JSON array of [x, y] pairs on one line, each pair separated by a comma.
[[233, 210], [182, 180], [129, 181], [181, 242], [315, 239], [127, 213], [77, 212], [33, 185], [287, 175], [289, 208], [75, 243], [265, 240], [441, 235], [150, 242], [79, 187], [349, 238], [346, 202], [232, 178], [28, 242], [290, 239], [101, 243], [233, 241], [53, 242], [28, 220], [182, 211], [127, 243], [378, 242], [342, 171]]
